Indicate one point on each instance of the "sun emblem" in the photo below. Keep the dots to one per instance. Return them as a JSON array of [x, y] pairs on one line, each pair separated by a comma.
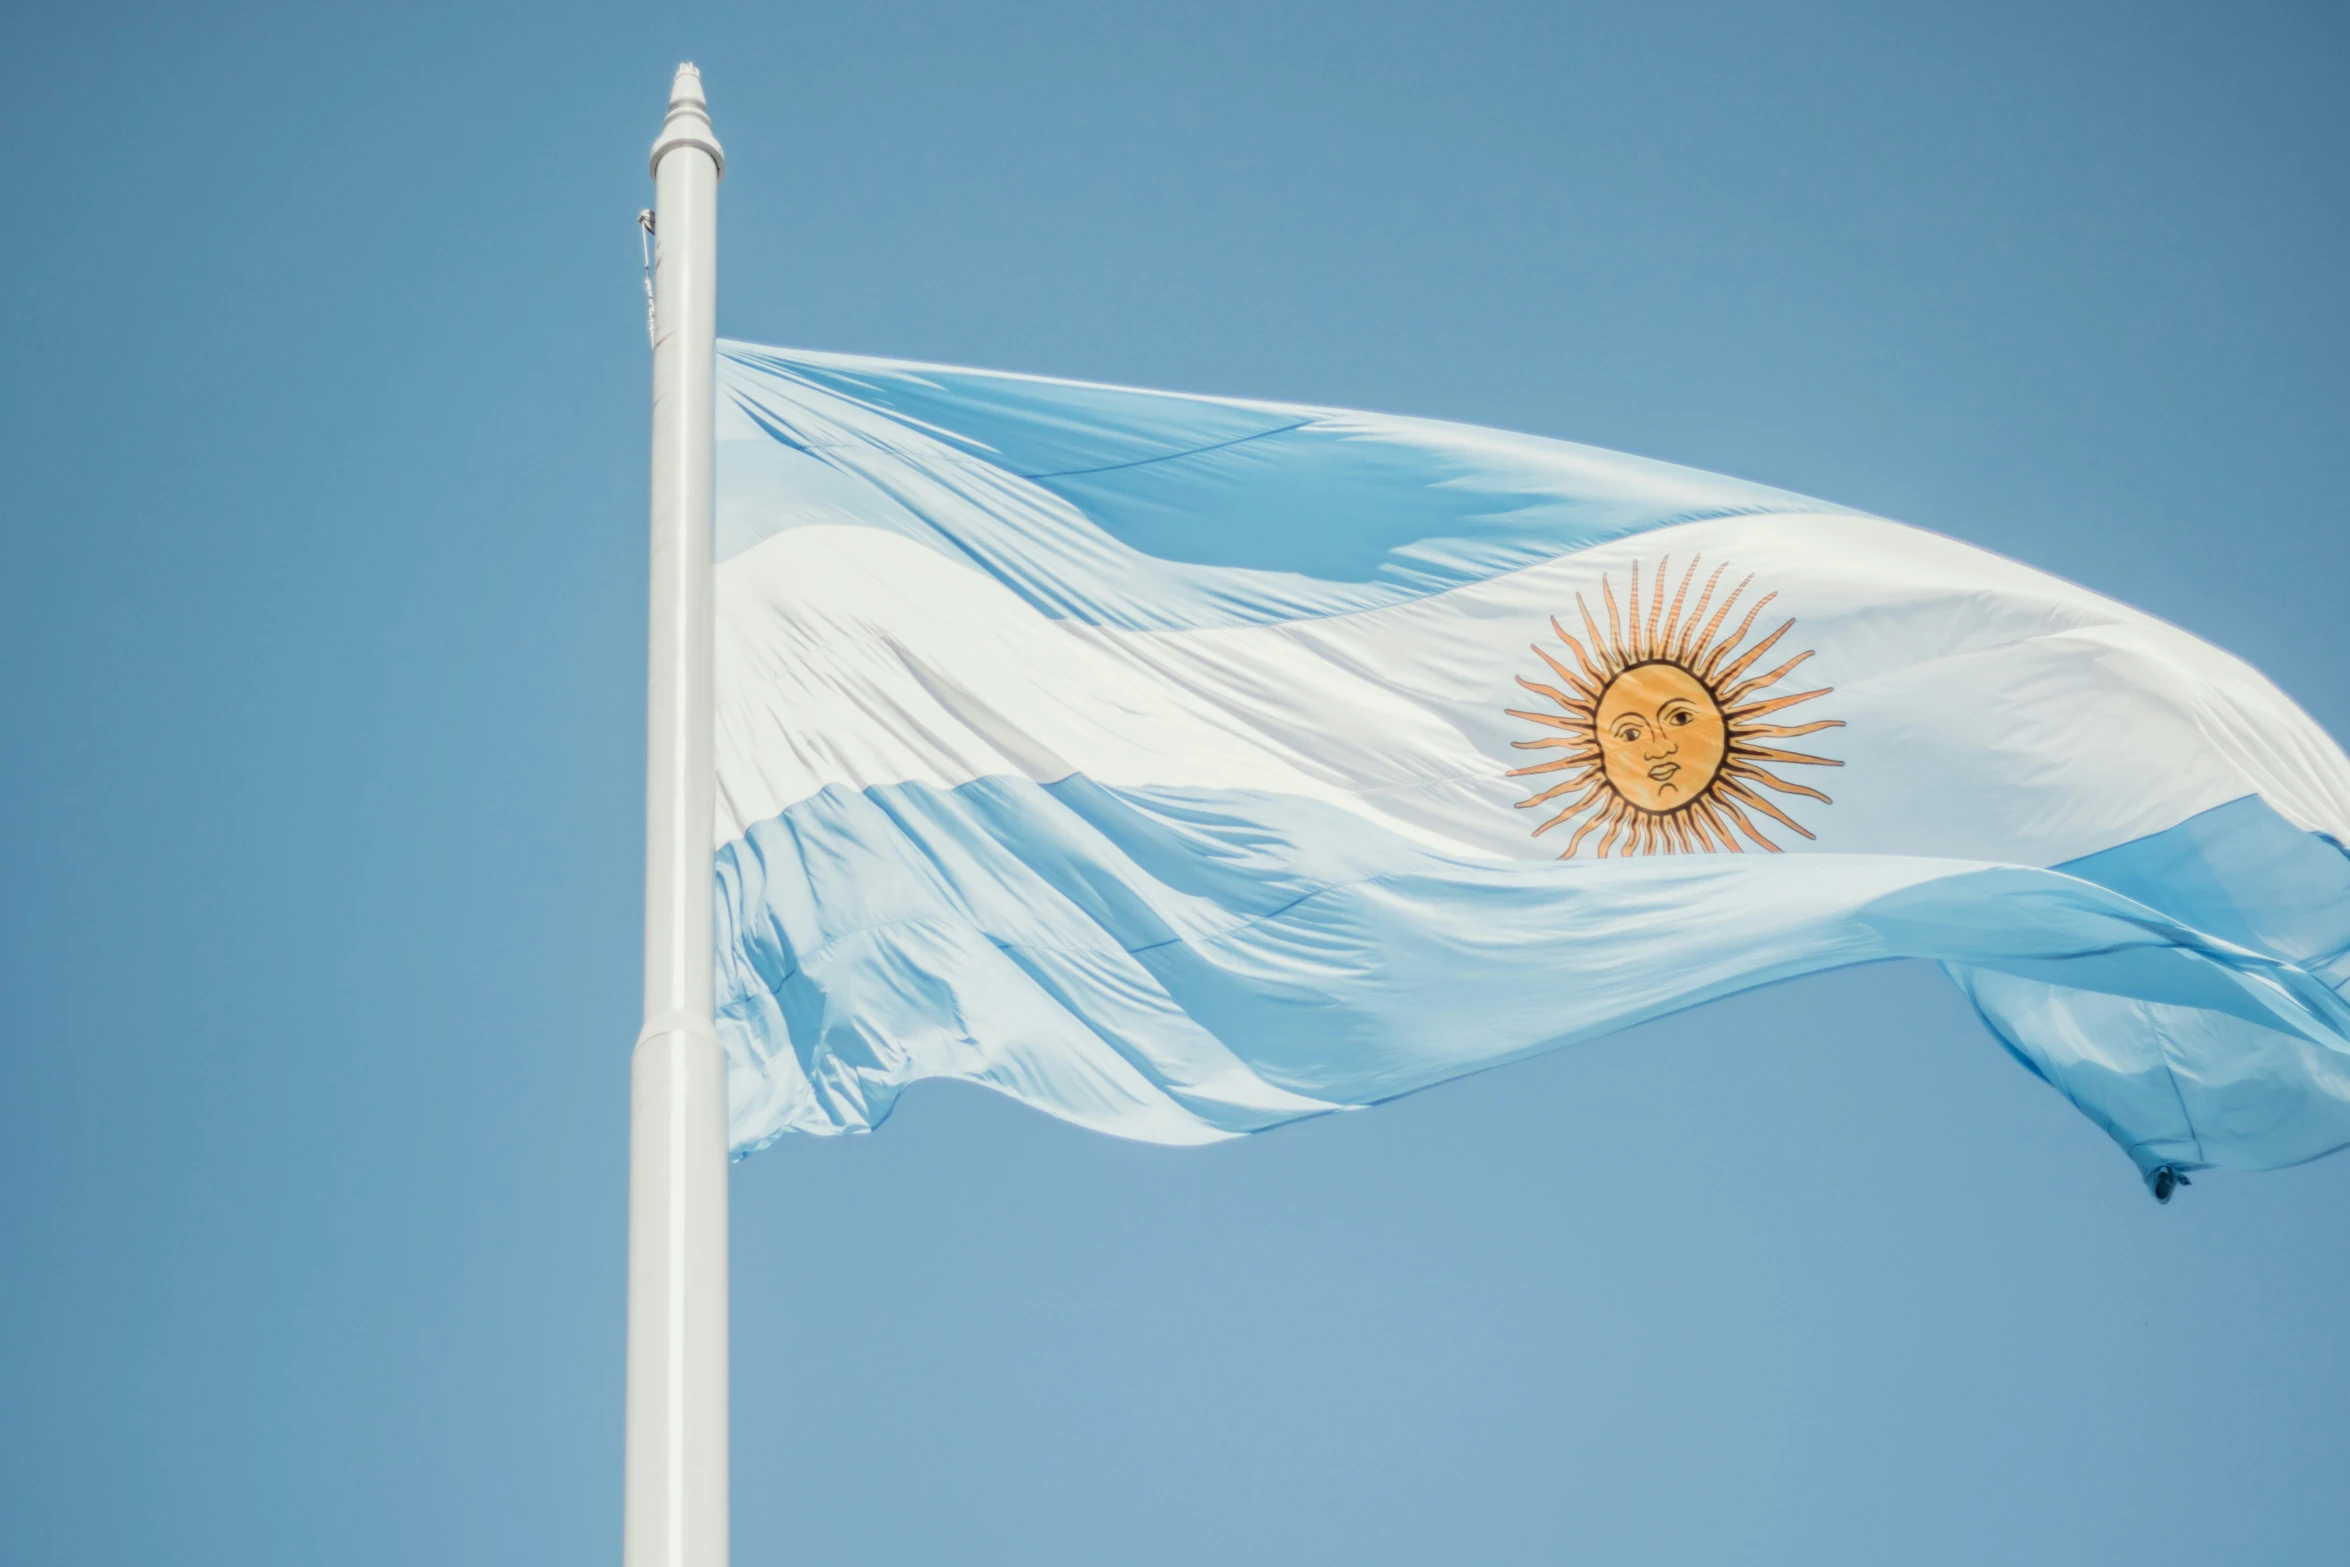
[[1663, 729]]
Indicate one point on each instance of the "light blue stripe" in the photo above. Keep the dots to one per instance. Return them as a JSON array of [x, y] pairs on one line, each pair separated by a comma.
[[1154, 510], [2177, 1079], [870, 939]]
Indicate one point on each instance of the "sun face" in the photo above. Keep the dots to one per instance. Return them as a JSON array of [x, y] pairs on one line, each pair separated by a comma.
[[1662, 731], [1661, 736]]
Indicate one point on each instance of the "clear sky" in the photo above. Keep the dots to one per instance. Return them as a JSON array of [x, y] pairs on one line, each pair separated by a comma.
[[323, 639]]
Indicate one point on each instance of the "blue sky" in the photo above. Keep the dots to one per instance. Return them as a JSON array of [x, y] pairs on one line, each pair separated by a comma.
[[323, 628]]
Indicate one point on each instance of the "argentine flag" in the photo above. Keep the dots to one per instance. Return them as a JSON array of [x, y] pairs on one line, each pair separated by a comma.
[[1183, 766]]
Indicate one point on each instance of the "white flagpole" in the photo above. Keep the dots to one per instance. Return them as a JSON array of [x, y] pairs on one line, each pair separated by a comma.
[[675, 1491]]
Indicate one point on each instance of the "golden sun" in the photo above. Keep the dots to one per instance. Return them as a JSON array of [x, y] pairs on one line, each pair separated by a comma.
[[1662, 728]]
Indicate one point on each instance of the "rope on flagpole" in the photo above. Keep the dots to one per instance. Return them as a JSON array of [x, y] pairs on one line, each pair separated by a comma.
[[644, 223]]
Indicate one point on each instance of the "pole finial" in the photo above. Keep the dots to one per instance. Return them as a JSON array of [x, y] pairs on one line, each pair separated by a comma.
[[688, 124]]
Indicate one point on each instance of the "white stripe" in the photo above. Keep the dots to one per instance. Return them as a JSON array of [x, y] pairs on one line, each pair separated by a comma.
[[1993, 712]]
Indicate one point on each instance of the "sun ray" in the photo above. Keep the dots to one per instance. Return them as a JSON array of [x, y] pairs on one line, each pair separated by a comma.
[[1649, 642], [1553, 742], [1759, 709], [1589, 770], [1695, 825], [1598, 680], [1745, 769], [1568, 814], [1599, 646], [1615, 633], [1764, 682], [1673, 615], [1720, 681], [1700, 825], [1615, 824], [1637, 647], [1722, 649], [1733, 789], [1716, 812], [1635, 828], [1545, 718], [1556, 695], [1779, 731], [1555, 820], [1764, 753], [1701, 816], [1729, 807], [1587, 696], [1682, 654], [1613, 814], [1705, 638], [1573, 808], [1581, 833]]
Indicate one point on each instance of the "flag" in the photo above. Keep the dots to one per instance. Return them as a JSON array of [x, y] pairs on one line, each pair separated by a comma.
[[1183, 766]]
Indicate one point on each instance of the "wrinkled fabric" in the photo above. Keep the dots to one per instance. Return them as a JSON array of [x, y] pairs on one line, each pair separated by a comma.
[[1146, 757]]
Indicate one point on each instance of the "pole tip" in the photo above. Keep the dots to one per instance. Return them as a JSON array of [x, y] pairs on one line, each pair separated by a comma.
[[688, 124]]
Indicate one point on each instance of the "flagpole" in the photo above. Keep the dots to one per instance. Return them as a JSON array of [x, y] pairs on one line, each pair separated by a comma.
[[674, 1497]]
